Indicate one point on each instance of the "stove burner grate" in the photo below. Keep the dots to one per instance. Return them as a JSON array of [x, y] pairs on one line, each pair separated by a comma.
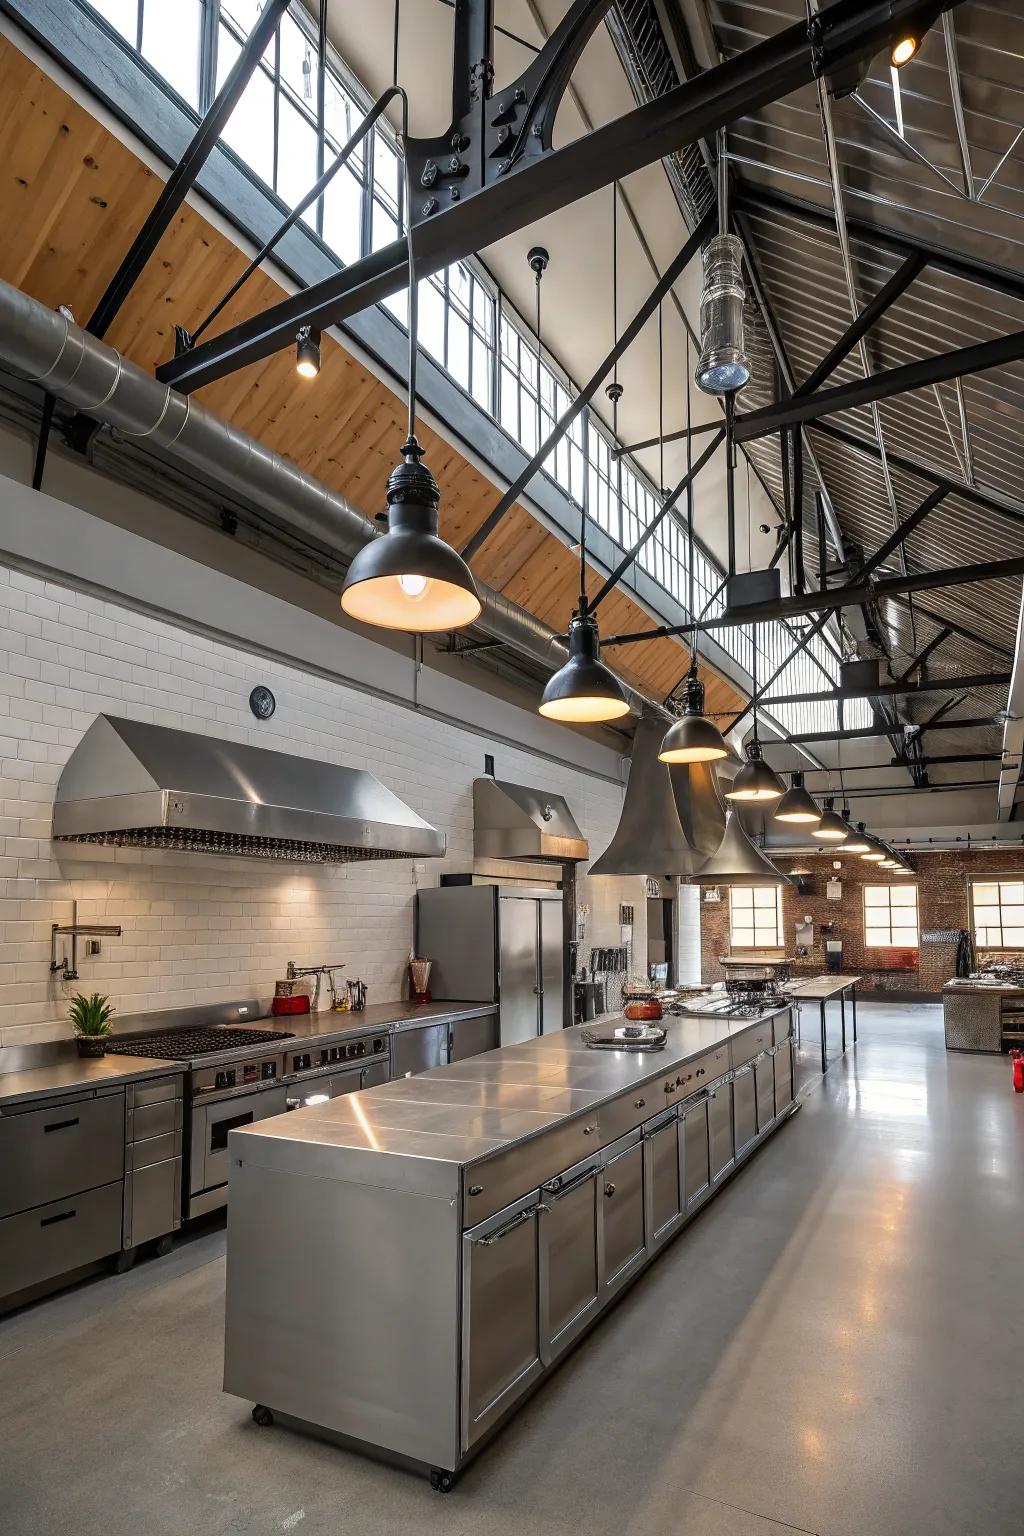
[[181, 1044]]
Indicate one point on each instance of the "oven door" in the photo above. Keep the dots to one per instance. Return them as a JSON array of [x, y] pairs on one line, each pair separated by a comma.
[[211, 1123]]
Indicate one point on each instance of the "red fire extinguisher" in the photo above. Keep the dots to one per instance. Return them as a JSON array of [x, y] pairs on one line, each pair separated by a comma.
[[1018, 1071]]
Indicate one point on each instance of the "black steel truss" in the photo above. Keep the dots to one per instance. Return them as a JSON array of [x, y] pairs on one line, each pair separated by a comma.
[[183, 176], [893, 690], [586, 394], [502, 174]]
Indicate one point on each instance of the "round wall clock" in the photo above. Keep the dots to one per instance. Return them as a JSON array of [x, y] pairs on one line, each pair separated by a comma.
[[262, 702]]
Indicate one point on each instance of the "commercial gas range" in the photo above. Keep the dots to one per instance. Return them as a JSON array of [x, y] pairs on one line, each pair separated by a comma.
[[237, 1076]]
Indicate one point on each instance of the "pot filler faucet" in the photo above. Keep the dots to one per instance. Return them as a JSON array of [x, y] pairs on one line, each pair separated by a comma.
[[293, 972]]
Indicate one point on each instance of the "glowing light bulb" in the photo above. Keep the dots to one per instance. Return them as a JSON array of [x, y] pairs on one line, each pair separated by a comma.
[[904, 51], [413, 586]]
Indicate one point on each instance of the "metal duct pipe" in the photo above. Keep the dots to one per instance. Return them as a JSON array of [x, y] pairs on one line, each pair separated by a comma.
[[47, 348]]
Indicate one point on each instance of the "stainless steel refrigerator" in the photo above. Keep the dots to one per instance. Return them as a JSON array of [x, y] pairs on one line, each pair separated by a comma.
[[497, 943]]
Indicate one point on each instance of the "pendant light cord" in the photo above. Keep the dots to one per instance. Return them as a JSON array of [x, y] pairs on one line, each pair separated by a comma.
[[661, 407], [413, 285], [690, 596], [615, 307]]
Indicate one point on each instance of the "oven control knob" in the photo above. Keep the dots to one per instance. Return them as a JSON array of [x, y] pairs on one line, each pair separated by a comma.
[[221, 1080], [361, 1048], [378, 1044]]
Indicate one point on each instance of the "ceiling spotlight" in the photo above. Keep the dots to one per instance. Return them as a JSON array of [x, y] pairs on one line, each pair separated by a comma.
[[693, 738], [831, 828], [410, 579], [584, 691], [796, 805], [307, 352], [903, 50], [756, 780]]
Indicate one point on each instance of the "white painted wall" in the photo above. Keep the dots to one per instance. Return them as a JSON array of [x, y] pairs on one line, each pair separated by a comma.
[[196, 928]]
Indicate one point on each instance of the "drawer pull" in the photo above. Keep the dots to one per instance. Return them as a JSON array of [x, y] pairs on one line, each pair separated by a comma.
[[669, 1087], [609, 1190], [510, 1226], [476, 1189], [588, 1130], [639, 1103], [49, 1221], [60, 1125]]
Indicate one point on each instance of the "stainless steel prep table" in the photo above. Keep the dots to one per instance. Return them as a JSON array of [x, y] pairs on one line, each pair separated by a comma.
[[487, 1211]]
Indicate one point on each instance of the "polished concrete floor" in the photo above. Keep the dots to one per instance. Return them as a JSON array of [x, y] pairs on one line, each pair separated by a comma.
[[836, 1345]]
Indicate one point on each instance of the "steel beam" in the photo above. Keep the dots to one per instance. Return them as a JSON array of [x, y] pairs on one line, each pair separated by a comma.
[[893, 690], [923, 654], [849, 597], [1013, 727], [539, 184], [869, 316], [1003, 279], [759, 696], [182, 178], [899, 536], [956, 628], [666, 506], [669, 437], [865, 732], [647, 309], [972, 493], [881, 386]]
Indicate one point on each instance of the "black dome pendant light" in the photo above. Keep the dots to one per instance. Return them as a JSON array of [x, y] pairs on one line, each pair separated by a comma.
[[756, 780], [410, 579], [584, 691], [693, 738]]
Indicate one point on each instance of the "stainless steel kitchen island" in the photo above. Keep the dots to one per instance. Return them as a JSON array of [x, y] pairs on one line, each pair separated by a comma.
[[407, 1263]]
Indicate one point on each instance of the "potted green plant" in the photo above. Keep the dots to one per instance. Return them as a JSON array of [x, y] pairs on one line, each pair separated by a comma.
[[90, 1019]]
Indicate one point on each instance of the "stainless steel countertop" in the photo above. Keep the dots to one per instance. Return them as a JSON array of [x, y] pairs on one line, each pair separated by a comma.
[[78, 1072], [966, 984], [372, 1019], [470, 1109]]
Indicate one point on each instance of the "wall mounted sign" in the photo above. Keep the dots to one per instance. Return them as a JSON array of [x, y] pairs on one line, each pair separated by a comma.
[[262, 702], [940, 935]]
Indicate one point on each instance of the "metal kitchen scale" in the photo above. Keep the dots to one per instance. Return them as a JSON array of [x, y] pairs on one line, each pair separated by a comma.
[[624, 1037]]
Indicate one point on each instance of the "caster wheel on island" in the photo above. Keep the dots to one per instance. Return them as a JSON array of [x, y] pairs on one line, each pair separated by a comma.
[[262, 1416], [124, 1261], [441, 1482], [164, 1244]]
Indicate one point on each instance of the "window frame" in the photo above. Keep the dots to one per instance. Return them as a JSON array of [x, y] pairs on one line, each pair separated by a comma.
[[998, 880], [779, 941], [888, 907], [611, 490]]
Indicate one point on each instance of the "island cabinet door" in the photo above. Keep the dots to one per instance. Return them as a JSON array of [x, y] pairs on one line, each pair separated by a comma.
[[764, 1080], [720, 1136], [693, 1138], [783, 1060], [622, 1230], [570, 1284], [500, 1315], [744, 1107], [663, 1154]]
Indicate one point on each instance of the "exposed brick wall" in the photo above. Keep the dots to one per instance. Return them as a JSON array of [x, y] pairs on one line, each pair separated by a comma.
[[943, 902]]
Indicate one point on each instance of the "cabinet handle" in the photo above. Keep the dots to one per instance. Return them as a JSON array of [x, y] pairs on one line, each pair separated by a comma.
[[60, 1125], [669, 1087], [476, 1189], [639, 1103], [588, 1130], [510, 1226], [609, 1190], [49, 1221]]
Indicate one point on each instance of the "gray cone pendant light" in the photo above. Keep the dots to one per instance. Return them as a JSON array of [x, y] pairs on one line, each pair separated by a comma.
[[796, 805], [831, 828], [693, 738], [410, 579], [756, 780], [583, 690], [738, 861]]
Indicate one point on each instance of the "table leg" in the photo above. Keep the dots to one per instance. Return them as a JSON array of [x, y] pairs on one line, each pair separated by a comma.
[[853, 1002], [824, 1058], [842, 1017]]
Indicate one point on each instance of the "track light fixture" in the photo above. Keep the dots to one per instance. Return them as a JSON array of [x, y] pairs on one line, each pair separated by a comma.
[[307, 352], [904, 49], [796, 805], [410, 579]]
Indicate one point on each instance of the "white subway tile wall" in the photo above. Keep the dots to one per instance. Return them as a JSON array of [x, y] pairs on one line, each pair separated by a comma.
[[205, 929]]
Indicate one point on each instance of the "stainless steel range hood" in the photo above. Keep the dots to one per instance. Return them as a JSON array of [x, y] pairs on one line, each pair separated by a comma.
[[512, 822], [146, 786]]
